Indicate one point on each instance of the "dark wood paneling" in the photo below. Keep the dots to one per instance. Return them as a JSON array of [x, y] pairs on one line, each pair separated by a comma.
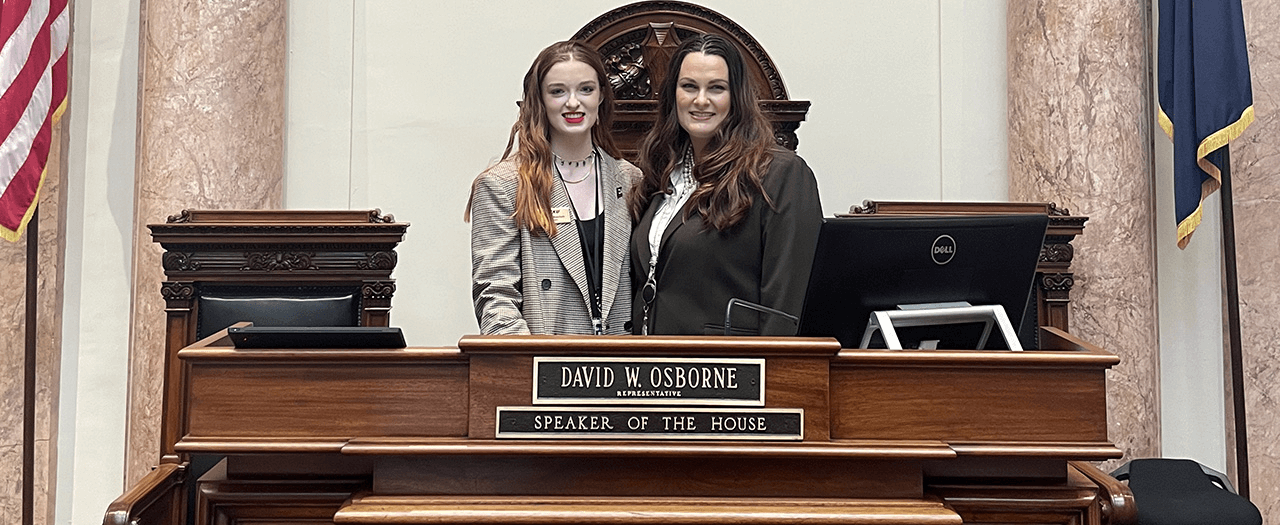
[[652, 475], [997, 404], [1067, 504], [800, 383], [274, 502], [497, 380], [267, 466], [338, 399]]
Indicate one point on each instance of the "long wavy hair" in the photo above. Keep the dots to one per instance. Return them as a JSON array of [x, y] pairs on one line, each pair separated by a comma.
[[531, 135], [736, 158]]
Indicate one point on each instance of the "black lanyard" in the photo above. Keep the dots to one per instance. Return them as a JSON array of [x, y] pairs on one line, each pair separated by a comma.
[[592, 258]]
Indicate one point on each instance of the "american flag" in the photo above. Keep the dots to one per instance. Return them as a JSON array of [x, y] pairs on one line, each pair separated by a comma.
[[33, 79]]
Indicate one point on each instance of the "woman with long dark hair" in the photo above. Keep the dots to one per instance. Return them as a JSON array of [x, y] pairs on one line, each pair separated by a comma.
[[722, 212], [549, 222]]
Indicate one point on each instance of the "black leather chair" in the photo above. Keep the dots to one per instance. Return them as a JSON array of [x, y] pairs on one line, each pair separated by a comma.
[[270, 267], [220, 306], [1184, 492]]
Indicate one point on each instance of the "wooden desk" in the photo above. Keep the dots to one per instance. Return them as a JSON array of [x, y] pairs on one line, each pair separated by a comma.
[[407, 436]]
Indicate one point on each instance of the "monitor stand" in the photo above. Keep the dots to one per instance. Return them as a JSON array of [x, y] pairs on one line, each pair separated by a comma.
[[884, 321]]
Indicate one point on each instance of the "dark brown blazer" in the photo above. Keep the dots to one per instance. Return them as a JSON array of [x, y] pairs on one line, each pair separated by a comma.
[[763, 259]]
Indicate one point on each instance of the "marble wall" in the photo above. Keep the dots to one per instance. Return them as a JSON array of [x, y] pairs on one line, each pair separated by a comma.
[[1255, 161], [210, 136], [1079, 133], [13, 261]]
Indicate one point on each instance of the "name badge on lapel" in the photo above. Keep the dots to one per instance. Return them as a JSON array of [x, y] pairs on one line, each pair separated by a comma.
[[561, 215]]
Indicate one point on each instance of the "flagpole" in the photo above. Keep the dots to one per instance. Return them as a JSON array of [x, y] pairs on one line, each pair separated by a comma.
[[29, 373], [1233, 326]]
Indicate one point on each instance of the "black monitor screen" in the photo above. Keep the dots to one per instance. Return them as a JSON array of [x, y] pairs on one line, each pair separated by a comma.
[[865, 264]]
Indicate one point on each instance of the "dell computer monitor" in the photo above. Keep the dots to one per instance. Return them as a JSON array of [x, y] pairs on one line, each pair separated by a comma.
[[869, 263]]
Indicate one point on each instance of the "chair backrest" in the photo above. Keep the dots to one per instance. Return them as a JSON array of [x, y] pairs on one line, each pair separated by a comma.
[[220, 306]]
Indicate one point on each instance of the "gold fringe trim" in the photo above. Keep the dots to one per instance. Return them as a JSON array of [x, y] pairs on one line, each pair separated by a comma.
[[1227, 134], [1165, 123], [1210, 144], [14, 235], [1189, 224]]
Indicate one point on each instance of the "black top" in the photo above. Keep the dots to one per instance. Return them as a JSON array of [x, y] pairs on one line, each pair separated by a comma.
[[591, 233]]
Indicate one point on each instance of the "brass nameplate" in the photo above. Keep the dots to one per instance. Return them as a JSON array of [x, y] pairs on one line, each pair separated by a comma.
[[648, 381], [762, 424]]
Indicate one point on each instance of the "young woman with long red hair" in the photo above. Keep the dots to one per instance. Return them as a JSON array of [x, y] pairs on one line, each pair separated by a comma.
[[722, 212], [549, 222]]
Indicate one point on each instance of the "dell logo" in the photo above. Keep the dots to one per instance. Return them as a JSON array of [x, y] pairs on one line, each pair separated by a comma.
[[944, 248]]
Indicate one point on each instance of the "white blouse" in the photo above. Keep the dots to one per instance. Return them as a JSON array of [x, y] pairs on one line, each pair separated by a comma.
[[682, 186]]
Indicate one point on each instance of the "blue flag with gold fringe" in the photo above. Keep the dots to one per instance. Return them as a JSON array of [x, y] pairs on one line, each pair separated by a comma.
[[1205, 96]]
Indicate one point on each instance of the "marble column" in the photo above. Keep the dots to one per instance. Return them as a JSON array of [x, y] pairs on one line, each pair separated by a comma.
[[13, 261], [1079, 130], [210, 136], [1255, 161]]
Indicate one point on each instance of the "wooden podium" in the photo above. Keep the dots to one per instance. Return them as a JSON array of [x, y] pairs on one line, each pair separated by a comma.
[[369, 436], [409, 436]]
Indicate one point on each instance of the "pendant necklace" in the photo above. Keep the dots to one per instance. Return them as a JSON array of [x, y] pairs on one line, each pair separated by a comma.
[[560, 162]]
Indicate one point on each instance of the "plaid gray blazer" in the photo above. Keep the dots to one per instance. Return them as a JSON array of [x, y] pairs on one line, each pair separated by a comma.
[[528, 284]]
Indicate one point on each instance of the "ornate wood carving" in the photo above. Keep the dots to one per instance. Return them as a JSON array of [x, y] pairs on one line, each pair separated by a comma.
[[378, 290], [620, 28], [295, 229], [222, 245], [784, 133], [171, 290], [1057, 282], [637, 41], [628, 73], [1057, 252], [183, 217], [867, 207], [378, 261], [376, 217], [179, 262], [273, 261]]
